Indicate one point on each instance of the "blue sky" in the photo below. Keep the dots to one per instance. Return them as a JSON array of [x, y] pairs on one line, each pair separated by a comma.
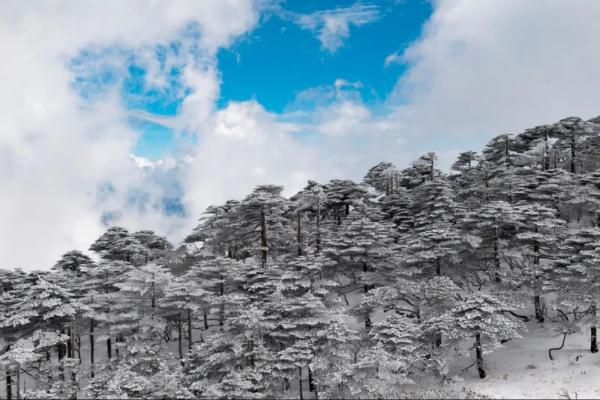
[[273, 63]]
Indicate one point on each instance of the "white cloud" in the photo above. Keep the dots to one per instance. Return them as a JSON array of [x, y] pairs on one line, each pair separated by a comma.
[[480, 69], [487, 67], [55, 149], [392, 59], [333, 26], [247, 146]]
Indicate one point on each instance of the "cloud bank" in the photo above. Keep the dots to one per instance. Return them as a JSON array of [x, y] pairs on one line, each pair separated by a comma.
[[65, 163]]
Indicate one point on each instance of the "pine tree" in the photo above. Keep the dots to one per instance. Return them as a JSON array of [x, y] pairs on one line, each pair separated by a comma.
[[421, 171], [574, 276], [384, 177], [73, 261], [478, 316], [494, 223], [361, 247], [342, 195], [536, 243], [295, 317], [217, 277]]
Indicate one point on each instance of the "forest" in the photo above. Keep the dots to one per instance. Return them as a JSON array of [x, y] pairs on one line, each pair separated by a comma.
[[386, 288]]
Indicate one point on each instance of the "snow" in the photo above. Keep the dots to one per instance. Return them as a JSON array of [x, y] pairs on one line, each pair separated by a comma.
[[522, 369]]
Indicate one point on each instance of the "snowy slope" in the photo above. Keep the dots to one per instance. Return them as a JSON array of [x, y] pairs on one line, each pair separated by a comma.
[[523, 369]]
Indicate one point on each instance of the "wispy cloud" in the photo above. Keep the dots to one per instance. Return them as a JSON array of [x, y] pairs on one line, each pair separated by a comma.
[[333, 26], [394, 58]]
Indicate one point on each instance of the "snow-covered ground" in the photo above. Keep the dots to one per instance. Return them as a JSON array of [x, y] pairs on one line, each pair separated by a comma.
[[523, 369]]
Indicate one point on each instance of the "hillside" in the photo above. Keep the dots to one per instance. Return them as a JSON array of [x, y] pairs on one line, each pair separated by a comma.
[[384, 288]]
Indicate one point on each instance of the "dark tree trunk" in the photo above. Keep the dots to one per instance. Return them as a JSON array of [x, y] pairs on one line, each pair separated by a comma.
[[109, 348], [250, 347], [189, 328], [49, 376], [205, 320], [221, 306], [507, 151], [8, 385], [438, 267], [62, 351], [92, 348], [70, 343], [318, 238], [479, 354], [496, 257], [18, 373], [539, 313], [311, 383], [263, 238], [366, 289], [573, 152], [299, 234], [300, 382], [153, 294], [180, 338], [593, 337], [437, 340], [346, 209]]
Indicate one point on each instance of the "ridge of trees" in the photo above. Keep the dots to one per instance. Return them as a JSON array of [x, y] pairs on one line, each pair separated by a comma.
[[343, 290]]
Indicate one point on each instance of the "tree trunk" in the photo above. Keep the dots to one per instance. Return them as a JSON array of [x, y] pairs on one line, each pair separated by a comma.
[[311, 383], [539, 313], [263, 238], [438, 267], [189, 328], [300, 382], [346, 209], [299, 234], [366, 289], [70, 343], [153, 293], [92, 348], [222, 305], [593, 337], [479, 354], [18, 373], [573, 152], [318, 239], [507, 151], [205, 320], [50, 376], [437, 340], [180, 331], [109, 348], [8, 385], [496, 257], [546, 155], [61, 350]]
